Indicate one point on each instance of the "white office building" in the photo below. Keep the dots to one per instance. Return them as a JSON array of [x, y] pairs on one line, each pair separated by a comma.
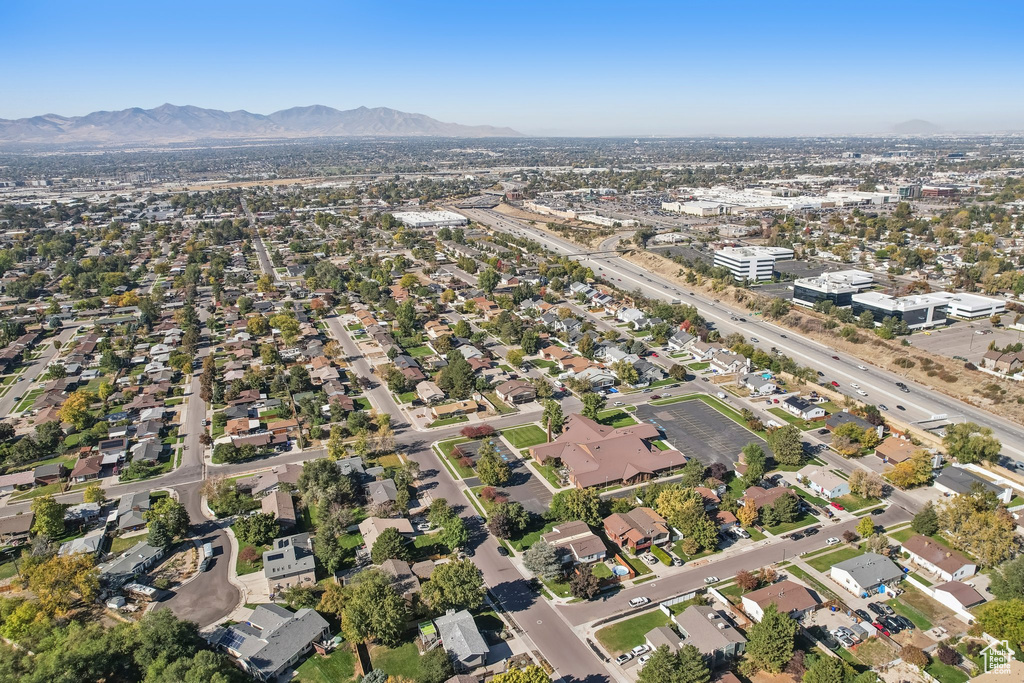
[[838, 287], [971, 306], [754, 264], [917, 311], [431, 219]]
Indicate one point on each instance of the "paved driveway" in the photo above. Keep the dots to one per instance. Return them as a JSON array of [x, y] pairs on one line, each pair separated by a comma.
[[700, 431]]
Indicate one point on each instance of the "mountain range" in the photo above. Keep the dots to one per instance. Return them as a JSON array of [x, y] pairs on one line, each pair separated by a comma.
[[173, 124]]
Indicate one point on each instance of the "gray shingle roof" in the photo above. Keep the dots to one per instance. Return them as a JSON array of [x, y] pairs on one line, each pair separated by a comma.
[[460, 635]]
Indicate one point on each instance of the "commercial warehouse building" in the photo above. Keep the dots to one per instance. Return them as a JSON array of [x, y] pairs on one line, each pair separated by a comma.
[[431, 219], [838, 287], [754, 264]]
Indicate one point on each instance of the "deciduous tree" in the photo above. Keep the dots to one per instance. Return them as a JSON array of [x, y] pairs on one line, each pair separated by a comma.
[[770, 642], [454, 585], [389, 545]]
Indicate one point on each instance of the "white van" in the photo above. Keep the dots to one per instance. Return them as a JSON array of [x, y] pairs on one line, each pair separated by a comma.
[[637, 602]]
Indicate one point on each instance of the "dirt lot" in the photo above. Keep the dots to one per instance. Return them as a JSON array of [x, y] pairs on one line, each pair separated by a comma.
[[930, 369], [540, 223]]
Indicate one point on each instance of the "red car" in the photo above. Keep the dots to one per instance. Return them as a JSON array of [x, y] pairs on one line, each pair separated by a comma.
[[837, 506], [655, 397], [881, 629], [653, 355], [835, 384]]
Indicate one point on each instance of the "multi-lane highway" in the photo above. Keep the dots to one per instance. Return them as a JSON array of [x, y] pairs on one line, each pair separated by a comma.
[[921, 404]]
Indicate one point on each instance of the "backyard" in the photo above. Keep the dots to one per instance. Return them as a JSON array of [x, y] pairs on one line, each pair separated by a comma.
[[337, 667], [402, 662]]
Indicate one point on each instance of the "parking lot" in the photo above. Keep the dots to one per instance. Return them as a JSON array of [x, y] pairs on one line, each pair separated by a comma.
[[960, 339], [700, 431]]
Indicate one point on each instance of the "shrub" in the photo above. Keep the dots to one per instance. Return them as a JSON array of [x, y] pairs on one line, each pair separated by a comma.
[[488, 493], [914, 656], [947, 655], [466, 461], [249, 554], [849, 536]]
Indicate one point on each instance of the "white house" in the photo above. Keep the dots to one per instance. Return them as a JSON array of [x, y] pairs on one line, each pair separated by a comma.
[[866, 574], [758, 384], [937, 559], [803, 408], [824, 482]]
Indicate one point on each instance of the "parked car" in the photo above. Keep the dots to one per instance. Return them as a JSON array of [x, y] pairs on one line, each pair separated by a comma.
[[845, 641], [882, 629], [889, 611], [796, 537], [637, 602], [890, 624], [710, 580], [811, 530], [643, 660], [619, 403], [639, 650], [876, 609], [655, 397], [622, 659], [832, 541], [905, 623], [837, 506], [863, 615], [877, 511], [425, 526], [503, 551], [650, 559]]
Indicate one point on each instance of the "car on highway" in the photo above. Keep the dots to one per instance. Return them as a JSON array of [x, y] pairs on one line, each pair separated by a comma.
[[638, 650], [835, 357], [861, 392], [623, 658], [903, 387], [743, 320], [835, 384], [655, 397], [638, 602], [832, 540], [854, 385], [710, 580], [753, 340], [862, 367], [784, 336], [899, 407], [882, 406]]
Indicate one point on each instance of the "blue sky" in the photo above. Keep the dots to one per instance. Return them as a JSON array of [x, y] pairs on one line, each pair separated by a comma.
[[587, 68]]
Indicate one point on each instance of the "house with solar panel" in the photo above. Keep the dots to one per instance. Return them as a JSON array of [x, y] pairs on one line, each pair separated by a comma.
[[273, 639]]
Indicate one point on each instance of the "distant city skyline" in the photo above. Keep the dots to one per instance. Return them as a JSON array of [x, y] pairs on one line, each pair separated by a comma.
[[587, 69]]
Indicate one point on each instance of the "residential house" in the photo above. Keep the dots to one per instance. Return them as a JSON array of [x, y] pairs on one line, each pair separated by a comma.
[[371, 527], [837, 419], [131, 510], [703, 351], [760, 497], [49, 474], [599, 378], [289, 562], [280, 504], [866, 574], [680, 341], [89, 544], [382, 492], [824, 482], [461, 639], [403, 578], [274, 639], [711, 632], [454, 409], [638, 529], [956, 480], [936, 558], [17, 480], [516, 391], [268, 482], [758, 383], [895, 450], [595, 454], [803, 408], [436, 329], [727, 362], [14, 530], [87, 469], [789, 597], [147, 452], [576, 543], [429, 392], [647, 373], [128, 566], [1002, 362]]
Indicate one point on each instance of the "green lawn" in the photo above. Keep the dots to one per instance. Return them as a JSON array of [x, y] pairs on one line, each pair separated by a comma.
[[638, 565], [362, 403], [852, 502], [602, 571], [903, 535], [49, 489], [821, 588], [945, 673], [121, 544], [810, 498], [449, 421], [401, 662], [789, 418], [615, 418], [407, 397], [7, 570], [446, 448], [824, 562], [499, 405], [525, 436], [549, 472], [732, 592], [419, 351], [531, 536], [803, 520], [697, 367], [338, 667], [67, 461], [626, 635], [543, 364]]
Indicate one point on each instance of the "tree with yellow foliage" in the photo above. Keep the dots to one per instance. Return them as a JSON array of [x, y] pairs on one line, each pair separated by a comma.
[[57, 582]]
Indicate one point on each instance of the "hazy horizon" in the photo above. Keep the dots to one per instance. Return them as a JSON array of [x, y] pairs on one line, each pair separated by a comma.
[[544, 70]]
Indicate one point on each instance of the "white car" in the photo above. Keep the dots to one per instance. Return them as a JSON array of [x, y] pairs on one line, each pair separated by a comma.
[[711, 579], [423, 527], [638, 650], [650, 559], [643, 660], [637, 602], [861, 392], [855, 385], [619, 403], [861, 367], [832, 541]]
